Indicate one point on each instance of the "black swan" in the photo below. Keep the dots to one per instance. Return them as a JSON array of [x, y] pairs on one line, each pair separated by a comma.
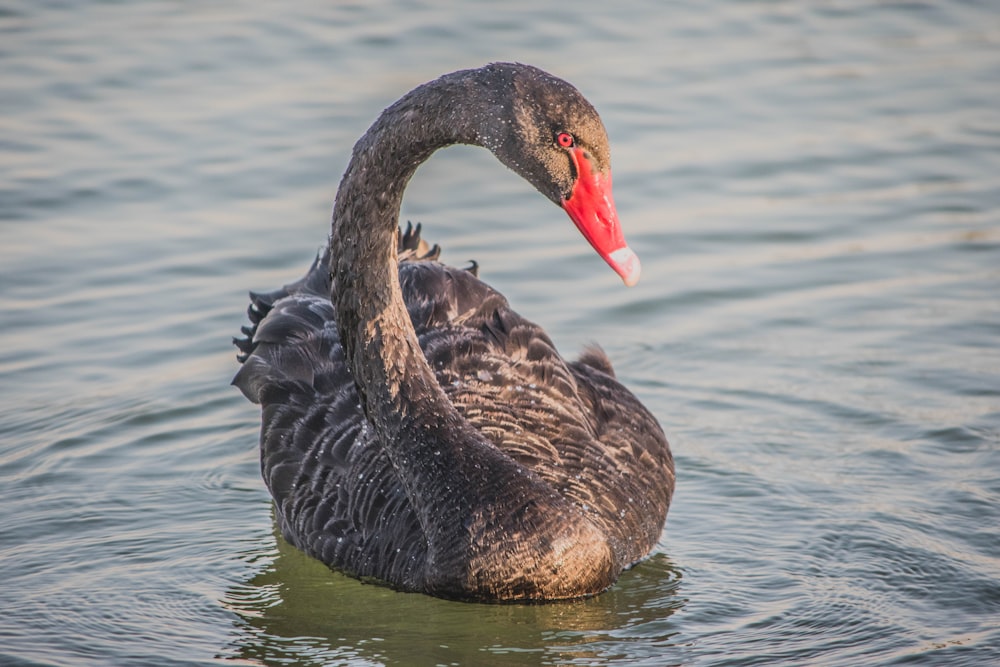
[[418, 432]]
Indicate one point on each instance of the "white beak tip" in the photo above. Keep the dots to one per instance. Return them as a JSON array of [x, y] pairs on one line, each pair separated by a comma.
[[626, 264]]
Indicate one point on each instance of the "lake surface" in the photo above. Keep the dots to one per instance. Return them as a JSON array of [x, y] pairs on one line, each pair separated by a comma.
[[814, 189]]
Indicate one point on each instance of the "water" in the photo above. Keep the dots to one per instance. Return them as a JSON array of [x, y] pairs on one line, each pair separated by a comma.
[[814, 189]]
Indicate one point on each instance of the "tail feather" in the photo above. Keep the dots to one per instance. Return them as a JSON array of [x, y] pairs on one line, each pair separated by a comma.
[[316, 283]]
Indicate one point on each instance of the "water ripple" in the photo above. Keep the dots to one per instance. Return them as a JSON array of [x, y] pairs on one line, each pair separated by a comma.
[[813, 192]]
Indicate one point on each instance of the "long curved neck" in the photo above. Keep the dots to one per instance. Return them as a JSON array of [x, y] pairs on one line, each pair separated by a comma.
[[379, 341]]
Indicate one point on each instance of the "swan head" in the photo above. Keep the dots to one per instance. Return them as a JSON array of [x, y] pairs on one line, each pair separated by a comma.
[[548, 133]]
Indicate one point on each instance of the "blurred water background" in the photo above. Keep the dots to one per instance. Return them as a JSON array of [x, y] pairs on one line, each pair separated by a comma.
[[814, 189]]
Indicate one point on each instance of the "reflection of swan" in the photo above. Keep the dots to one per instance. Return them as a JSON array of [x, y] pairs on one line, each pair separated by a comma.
[[295, 611], [417, 430]]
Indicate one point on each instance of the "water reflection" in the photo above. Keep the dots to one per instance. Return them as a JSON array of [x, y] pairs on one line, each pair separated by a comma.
[[297, 609]]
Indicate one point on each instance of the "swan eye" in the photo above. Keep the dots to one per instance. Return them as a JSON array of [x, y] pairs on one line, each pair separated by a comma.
[[565, 139]]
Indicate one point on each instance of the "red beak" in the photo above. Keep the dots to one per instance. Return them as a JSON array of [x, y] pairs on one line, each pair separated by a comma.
[[592, 210]]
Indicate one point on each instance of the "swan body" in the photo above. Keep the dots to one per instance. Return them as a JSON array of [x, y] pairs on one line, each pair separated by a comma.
[[415, 429]]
